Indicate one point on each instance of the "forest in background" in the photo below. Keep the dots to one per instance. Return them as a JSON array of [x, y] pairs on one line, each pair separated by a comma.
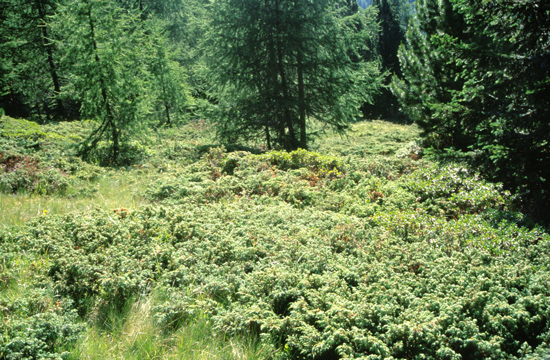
[[474, 76], [203, 179]]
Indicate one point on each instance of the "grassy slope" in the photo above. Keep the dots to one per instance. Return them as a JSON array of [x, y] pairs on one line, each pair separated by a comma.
[[358, 250]]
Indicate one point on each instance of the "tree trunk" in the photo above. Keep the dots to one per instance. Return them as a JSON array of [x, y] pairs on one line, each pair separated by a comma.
[[291, 143], [165, 101], [114, 134], [301, 101], [167, 107], [278, 122], [109, 121], [51, 63], [267, 137]]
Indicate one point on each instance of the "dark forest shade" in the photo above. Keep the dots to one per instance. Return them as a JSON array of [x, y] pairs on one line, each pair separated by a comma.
[[476, 77]]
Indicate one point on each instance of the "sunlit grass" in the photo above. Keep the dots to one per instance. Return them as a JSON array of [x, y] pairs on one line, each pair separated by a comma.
[[367, 138], [135, 335], [113, 190]]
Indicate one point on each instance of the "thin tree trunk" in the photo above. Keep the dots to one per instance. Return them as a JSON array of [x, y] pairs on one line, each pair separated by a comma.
[[267, 137], [277, 123], [291, 143], [166, 106], [301, 102], [110, 118], [51, 63], [114, 134]]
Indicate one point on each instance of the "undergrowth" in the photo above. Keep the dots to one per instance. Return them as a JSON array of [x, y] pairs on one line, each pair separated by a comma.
[[360, 249]]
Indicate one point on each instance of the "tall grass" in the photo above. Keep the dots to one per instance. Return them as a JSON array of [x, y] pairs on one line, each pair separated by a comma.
[[135, 335]]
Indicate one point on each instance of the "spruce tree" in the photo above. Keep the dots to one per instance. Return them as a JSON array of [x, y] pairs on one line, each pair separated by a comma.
[[393, 16], [277, 63]]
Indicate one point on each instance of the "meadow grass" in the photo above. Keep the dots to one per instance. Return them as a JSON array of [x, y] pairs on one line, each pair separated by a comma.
[[375, 137], [115, 189]]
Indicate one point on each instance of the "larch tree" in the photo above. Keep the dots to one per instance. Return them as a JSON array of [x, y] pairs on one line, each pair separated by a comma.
[[30, 75], [276, 64], [102, 50], [169, 92]]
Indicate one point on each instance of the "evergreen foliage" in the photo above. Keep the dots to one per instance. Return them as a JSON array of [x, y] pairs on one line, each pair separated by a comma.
[[505, 101], [393, 16], [169, 91], [477, 77], [360, 250], [277, 63], [429, 80]]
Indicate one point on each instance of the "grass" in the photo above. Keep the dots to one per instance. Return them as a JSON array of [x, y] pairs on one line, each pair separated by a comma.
[[369, 138], [120, 188], [132, 334], [135, 335], [115, 189]]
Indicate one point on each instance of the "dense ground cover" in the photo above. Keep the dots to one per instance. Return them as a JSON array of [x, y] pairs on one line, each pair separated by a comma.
[[361, 249]]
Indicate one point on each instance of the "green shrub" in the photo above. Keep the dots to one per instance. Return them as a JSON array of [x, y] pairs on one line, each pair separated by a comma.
[[401, 284], [35, 324], [453, 190], [25, 173], [316, 256]]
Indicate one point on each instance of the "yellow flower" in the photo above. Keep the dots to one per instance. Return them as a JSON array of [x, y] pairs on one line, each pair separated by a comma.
[[44, 212]]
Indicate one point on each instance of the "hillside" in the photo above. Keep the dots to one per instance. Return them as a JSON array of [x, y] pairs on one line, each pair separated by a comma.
[[361, 248]]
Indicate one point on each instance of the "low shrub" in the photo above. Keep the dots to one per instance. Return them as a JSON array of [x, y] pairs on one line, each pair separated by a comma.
[[315, 284], [316, 256], [25, 173]]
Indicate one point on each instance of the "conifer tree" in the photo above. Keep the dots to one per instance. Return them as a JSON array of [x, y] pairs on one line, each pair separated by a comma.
[[169, 92], [103, 52], [30, 75], [505, 100], [429, 80], [477, 77], [393, 16], [278, 63]]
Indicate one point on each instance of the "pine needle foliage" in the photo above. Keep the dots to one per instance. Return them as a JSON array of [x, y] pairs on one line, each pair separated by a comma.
[[477, 78]]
